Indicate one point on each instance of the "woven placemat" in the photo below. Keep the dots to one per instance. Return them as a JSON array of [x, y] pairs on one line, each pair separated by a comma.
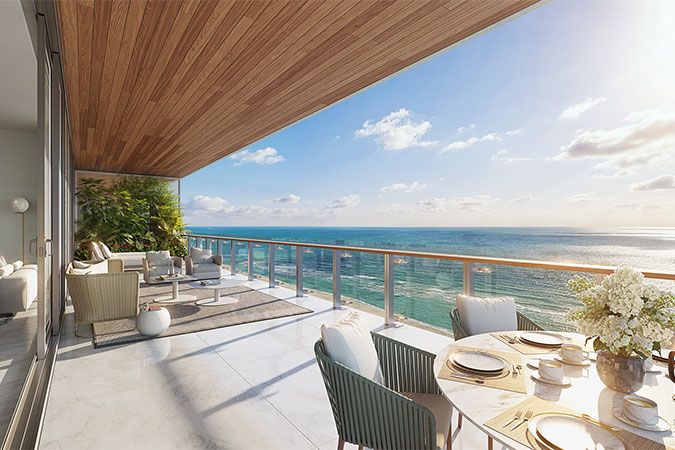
[[511, 382], [528, 349], [540, 406]]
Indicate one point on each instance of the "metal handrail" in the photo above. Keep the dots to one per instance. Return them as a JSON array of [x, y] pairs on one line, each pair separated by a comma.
[[533, 264]]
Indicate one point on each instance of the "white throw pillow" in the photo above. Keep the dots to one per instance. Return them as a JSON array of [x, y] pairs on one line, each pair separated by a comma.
[[487, 315], [96, 253], [161, 258], [80, 265], [76, 271], [80, 268], [17, 264], [107, 254], [349, 342], [3, 261], [200, 255], [7, 269]]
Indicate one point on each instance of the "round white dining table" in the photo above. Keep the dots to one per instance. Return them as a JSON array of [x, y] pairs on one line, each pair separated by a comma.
[[586, 395]]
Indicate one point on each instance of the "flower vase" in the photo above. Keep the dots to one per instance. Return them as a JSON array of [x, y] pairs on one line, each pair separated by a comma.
[[620, 373]]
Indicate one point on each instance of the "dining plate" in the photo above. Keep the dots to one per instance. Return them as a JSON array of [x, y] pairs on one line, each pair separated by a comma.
[[478, 362], [542, 338], [660, 426], [565, 431]]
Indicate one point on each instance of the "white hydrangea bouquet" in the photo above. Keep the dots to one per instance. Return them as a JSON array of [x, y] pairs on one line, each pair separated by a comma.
[[625, 315]]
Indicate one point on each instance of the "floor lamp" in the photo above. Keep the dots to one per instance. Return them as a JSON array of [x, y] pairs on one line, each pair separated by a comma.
[[20, 206]]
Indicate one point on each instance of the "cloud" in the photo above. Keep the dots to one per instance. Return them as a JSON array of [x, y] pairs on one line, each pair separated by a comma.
[[649, 136], [657, 184], [469, 127], [264, 156], [629, 206], [574, 111], [466, 143], [514, 132], [523, 199], [403, 187], [502, 156], [348, 201], [586, 197], [205, 203], [396, 131], [290, 198], [441, 203]]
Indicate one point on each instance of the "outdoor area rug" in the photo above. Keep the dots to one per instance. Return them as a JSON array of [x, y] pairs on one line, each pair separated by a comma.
[[253, 306]]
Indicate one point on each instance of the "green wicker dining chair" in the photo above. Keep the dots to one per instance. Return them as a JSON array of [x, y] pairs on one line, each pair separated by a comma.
[[524, 323], [383, 416]]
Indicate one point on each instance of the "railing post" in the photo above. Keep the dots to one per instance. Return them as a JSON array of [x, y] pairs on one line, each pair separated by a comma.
[[250, 261], [219, 250], [337, 282], [270, 268], [299, 290], [233, 257], [469, 286], [388, 289]]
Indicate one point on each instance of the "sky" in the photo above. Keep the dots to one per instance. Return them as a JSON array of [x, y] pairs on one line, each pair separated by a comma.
[[564, 116]]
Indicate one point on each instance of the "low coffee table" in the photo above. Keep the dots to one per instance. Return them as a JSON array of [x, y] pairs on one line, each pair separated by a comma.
[[175, 297], [217, 300]]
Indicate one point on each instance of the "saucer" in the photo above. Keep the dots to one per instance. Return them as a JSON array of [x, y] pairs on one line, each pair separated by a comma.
[[661, 425], [584, 363], [565, 382], [654, 369]]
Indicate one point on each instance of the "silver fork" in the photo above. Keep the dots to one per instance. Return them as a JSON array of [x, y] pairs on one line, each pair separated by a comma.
[[517, 416], [508, 338], [528, 416]]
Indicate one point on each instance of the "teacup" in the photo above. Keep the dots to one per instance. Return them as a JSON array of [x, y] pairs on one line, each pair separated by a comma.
[[640, 409], [551, 370], [573, 353]]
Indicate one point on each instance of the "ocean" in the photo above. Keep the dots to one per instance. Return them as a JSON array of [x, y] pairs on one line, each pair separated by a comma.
[[425, 289]]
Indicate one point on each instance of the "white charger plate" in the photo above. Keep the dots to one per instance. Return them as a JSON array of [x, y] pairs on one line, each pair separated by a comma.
[[567, 432], [584, 363], [661, 425], [542, 338], [565, 382], [478, 362]]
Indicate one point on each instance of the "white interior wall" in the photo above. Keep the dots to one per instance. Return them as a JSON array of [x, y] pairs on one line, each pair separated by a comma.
[[18, 167]]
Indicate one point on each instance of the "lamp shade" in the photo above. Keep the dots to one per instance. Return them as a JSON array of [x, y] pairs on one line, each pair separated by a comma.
[[19, 205]]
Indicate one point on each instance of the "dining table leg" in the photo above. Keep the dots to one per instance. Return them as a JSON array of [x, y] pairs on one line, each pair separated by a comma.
[[459, 421], [490, 443]]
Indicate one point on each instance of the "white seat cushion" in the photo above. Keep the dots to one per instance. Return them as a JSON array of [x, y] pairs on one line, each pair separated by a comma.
[[107, 254], [349, 342], [200, 255], [205, 268], [88, 269], [157, 259], [6, 269], [487, 315], [442, 411]]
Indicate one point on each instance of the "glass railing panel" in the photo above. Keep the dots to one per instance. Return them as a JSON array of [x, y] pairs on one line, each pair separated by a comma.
[[425, 289], [260, 260], [541, 294], [284, 266], [362, 276], [241, 257], [318, 270]]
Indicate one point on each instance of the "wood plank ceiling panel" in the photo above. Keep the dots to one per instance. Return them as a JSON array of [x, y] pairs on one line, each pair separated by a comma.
[[167, 87]]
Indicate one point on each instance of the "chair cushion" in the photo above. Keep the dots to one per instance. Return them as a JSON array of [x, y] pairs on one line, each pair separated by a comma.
[[442, 411], [205, 267], [107, 254], [200, 255], [96, 253], [17, 264], [349, 342], [6, 269], [160, 258], [80, 268], [3, 261], [487, 315]]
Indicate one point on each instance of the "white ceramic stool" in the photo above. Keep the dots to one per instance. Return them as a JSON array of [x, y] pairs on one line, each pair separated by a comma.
[[153, 322]]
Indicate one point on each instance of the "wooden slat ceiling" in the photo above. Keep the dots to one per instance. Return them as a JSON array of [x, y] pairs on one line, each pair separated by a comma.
[[168, 87]]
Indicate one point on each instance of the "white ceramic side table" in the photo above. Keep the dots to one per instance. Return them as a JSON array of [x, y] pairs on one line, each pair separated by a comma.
[[153, 322]]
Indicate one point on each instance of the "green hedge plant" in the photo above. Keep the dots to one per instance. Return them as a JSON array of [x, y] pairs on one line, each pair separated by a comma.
[[129, 214]]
